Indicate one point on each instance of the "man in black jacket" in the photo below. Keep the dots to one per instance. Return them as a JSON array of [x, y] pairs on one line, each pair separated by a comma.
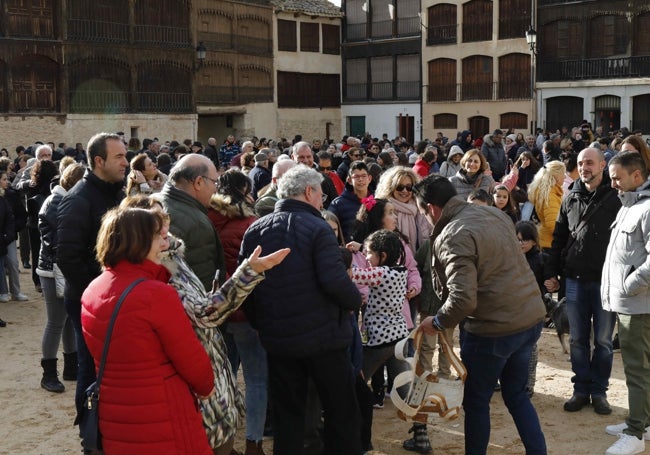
[[577, 253], [78, 222], [302, 312]]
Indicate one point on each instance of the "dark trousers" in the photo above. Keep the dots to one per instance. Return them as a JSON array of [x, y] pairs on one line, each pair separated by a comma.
[[86, 370], [365, 400], [333, 376], [35, 245], [23, 235]]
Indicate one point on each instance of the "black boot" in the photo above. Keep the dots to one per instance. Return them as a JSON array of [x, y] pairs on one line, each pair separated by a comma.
[[70, 364], [420, 440], [50, 381]]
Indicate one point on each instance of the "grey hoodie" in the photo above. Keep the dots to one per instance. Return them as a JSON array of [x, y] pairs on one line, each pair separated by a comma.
[[448, 168]]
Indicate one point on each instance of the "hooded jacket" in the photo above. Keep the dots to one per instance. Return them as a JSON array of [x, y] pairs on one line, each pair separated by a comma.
[[625, 284], [449, 168], [495, 155], [496, 292]]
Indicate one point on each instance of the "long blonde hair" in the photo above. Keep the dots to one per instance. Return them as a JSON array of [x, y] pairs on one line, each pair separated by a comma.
[[539, 190]]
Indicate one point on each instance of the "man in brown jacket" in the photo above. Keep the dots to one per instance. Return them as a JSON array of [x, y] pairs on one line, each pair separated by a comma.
[[483, 279]]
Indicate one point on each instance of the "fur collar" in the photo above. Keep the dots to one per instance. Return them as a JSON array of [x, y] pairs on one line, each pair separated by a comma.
[[224, 205]]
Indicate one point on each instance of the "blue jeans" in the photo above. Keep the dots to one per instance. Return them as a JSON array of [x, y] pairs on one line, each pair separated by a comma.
[[253, 360], [506, 359], [591, 370]]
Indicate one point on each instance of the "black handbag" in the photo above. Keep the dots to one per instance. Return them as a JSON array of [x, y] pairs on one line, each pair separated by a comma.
[[92, 438]]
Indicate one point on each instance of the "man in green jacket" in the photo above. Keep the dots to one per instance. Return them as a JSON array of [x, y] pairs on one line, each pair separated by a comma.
[[186, 197]]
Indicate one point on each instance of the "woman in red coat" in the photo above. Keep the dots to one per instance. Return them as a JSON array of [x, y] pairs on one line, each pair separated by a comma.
[[156, 367]]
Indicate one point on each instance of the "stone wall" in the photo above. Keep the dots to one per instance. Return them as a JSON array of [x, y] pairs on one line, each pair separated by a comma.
[[25, 130]]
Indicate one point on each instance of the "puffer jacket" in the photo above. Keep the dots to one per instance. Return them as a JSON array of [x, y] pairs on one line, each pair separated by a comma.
[[47, 226], [231, 221], [190, 223], [301, 309], [78, 221], [586, 255], [155, 364], [496, 292], [625, 285], [495, 154], [547, 212], [223, 411], [345, 207]]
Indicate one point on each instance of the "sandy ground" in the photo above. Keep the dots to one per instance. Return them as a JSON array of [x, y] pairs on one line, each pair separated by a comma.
[[33, 421]]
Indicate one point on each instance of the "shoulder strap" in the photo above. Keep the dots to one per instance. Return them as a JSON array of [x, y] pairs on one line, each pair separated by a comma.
[[109, 332]]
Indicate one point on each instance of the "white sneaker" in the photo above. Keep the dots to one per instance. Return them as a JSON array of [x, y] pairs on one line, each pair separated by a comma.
[[626, 445], [20, 297], [4, 297], [615, 430]]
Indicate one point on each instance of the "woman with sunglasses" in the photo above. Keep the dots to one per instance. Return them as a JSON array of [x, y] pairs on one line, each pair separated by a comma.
[[396, 185]]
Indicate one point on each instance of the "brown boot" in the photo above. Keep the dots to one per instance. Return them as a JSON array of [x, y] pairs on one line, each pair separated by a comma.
[[254, 448]]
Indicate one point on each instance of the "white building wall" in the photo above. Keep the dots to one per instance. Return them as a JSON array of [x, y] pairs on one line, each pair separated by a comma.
[[382, 118], [590, 90]]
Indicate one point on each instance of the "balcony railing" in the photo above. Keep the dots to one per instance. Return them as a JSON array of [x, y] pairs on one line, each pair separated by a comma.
[[98, 31], [87, 101], [599, 68], [442, 34], [239, 43], [557, 2], [383, 91], [356, 32], [156, 34], [164, 102], [233, 95], [486, 91], [406, 26]]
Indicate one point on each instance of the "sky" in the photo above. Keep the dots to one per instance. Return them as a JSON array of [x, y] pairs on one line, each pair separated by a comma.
[[336, 2]]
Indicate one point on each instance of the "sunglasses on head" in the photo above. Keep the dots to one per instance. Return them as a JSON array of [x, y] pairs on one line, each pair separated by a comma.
[[401, 187]]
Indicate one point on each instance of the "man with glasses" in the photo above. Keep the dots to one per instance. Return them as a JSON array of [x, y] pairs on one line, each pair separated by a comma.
[[303, 154], [186, 197], [346, 206]]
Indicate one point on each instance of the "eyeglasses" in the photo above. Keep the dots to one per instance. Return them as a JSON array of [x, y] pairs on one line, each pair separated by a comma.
[[359, 176], [524, 240], [401, 187], [357, 155], [211, 179]]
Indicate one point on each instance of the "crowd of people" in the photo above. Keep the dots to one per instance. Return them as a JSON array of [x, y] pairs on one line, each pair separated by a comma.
[[305, 263]]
